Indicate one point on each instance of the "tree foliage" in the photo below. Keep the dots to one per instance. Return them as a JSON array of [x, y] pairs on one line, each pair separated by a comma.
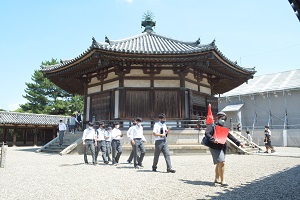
[[44, 97]]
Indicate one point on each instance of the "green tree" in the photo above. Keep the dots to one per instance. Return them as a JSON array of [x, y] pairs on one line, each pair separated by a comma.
[[44, 97]]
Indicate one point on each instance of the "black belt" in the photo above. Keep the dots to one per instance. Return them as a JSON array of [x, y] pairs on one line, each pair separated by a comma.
[[89, 139]]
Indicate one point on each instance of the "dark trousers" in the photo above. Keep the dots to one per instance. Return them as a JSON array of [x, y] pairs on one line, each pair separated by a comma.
[[116, 150], [108, 149], [61, 137], [101, 146], [139, 144], [131, 154], [89, 144], [161, 146]]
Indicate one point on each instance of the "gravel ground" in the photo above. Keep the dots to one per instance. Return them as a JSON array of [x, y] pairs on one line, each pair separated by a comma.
[[29, 175]]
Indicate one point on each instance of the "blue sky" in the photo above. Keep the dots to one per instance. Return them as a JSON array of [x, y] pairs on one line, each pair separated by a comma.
[[261, 34]]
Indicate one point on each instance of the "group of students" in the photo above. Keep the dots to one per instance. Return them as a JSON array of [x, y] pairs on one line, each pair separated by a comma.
[[109, 142]]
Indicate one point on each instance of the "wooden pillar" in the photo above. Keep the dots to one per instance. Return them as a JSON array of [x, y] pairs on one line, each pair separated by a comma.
[[35, 137], [15, 137], [54, 132], [5, 135]]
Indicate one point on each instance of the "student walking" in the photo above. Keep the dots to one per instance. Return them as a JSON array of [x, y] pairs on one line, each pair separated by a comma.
[[116, 145], [137, 140], [160, 132], [62, 130], [130, 158], [108, 142], [100, 138], [89, 141]]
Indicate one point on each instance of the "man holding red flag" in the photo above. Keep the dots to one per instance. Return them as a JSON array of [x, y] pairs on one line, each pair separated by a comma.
[[217, 134]]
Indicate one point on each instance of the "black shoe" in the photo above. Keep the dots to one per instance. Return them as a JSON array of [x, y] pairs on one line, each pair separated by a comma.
[[129, 162], [106, 162], [224, 185], [171, 170], [154, 170]]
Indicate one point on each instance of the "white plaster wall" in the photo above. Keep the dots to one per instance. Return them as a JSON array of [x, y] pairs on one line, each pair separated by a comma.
[[164, 83], [136, 83], [191, 86], [111, 85], [111, 75], [190, 76], [205, 90], [204, 81], [94, 89], [168, 73], [136, 72]]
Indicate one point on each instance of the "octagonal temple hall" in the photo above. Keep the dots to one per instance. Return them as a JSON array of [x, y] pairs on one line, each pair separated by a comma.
[[147, 74]]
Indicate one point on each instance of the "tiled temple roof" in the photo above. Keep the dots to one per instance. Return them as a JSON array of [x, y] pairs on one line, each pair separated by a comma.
[[148, 43], [151, 43], [30, 119]]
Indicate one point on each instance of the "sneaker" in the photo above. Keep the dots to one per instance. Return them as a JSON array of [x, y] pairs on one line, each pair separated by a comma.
[[141, 166], [171, 170]]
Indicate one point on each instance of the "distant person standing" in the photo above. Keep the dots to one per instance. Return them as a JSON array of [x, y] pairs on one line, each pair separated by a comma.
[[89, 141], [116, 145], [267, 140], [72, 124], [62, 130], [79, 121], [160, 132], [100, 135]]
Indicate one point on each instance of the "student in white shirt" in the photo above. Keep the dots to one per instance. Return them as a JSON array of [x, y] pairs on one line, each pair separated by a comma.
[[116, 145], [62, 130], [108, 142], [160, 132], [129, 160], [89, 141], [137, 140], [100, 135]]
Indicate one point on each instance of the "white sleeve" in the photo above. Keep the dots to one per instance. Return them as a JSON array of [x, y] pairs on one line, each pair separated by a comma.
[[129, 132]]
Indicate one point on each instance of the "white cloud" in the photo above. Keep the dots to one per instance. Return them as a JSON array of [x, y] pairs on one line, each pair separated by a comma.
[[13, 107], [129, 1]]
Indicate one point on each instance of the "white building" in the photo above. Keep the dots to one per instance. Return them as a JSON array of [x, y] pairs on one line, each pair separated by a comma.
[[271, 99]]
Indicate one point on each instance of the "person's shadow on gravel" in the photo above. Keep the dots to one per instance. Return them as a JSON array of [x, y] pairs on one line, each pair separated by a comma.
[[198, 182]]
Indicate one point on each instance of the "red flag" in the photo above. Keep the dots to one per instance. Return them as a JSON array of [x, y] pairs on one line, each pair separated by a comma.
[[209, 118]]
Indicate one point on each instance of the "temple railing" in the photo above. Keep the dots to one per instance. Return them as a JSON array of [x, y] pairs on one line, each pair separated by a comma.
[[148, 124]]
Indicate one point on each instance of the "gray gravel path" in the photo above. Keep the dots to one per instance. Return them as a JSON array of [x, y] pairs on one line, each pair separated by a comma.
[[30, 175]]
